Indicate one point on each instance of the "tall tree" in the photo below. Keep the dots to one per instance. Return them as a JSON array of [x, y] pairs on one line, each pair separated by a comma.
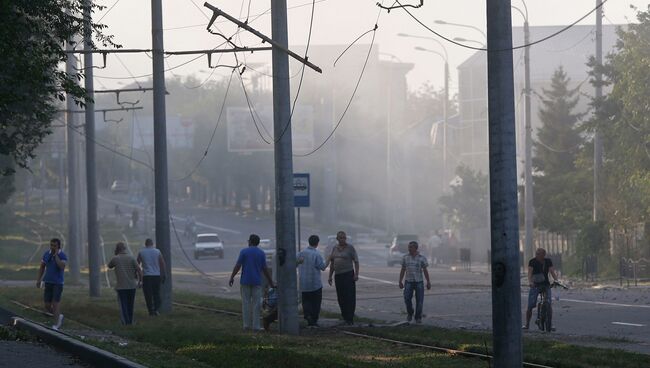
[[623, 117], [33, 32], [560, 188]]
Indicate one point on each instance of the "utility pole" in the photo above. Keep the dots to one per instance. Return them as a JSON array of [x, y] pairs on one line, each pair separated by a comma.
[[73, 190], [506, 290], [94, 272], [284, 213], [528, 176], [59, 158], [160, 152], [598, 144], [445, 122]]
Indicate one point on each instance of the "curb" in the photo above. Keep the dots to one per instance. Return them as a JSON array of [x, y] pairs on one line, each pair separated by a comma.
[[87, 353]]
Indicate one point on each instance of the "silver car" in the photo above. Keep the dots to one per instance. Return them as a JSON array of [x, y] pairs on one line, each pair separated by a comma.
[[208, 244], [399, 248]]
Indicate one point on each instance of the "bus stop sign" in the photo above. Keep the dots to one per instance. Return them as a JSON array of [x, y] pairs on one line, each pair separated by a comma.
[[300, 190]]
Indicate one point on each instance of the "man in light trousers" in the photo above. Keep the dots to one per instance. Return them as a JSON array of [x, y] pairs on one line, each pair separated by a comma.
[[252, 263]]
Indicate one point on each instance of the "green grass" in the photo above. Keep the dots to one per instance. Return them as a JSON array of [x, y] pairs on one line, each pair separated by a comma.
[[191, 338], [194, 338], [541, 351]]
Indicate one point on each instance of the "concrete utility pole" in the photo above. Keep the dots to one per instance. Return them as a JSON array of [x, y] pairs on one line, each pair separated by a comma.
[[445, 118], [73, 190], [598, 144], [284, 213], [94, 271], [160, 152], [506, 290]]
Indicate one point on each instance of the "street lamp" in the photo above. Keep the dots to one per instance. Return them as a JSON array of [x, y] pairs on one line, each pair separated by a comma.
[[528, 169], [440, 21], [461, 39]]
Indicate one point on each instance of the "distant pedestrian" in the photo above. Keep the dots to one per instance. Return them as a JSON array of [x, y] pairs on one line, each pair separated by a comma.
[[51, 274], [252, 263], [413, 266], [129, 277], [434, 243], [135, 216], [154, 270], [344, 263], [311, 264]]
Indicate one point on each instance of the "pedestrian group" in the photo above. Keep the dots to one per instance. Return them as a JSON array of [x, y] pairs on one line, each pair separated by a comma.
[[148, 270]]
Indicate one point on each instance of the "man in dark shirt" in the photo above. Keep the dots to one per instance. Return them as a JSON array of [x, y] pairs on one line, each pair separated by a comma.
[[538, 270]]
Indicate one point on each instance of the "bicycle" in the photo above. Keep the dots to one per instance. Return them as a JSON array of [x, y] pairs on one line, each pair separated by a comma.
[[544, 309]]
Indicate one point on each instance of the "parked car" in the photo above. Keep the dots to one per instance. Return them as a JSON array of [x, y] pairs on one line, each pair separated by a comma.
[[119, 186], [269, 250], [208, 244], [399, 248]]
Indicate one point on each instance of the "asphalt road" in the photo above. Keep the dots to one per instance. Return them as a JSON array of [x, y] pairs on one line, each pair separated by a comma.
[[604, 315]]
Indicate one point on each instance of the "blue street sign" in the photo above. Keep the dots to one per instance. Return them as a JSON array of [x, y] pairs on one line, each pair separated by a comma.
[[300, 190]]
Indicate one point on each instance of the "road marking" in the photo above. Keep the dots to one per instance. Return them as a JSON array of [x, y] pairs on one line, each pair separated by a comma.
[[605, 303], [628, 324], [178, 218], [378, 280], [222, 229]]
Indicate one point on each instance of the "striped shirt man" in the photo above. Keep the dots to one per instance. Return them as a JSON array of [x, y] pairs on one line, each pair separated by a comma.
[[414, 265]]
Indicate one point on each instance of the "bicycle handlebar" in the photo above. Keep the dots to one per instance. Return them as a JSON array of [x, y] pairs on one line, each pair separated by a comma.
[[557, 283]]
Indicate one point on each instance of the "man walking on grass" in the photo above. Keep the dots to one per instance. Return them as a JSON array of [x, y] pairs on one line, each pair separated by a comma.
[[311, 264], [51, 274], [153, 269], [252, 263]]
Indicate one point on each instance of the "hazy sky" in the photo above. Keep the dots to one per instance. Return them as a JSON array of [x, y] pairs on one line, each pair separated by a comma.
[[335, 22]]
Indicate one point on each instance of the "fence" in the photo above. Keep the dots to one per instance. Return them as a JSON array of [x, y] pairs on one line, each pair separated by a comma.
[[634, 270]]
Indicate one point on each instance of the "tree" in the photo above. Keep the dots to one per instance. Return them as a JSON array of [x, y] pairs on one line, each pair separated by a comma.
[[31, 85], [561, 190], [427, 103], [6, 181], [623, 119], [466, 208]]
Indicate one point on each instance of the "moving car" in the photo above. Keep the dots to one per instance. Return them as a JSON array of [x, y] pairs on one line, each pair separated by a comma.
[[208, 244], [399, 248]]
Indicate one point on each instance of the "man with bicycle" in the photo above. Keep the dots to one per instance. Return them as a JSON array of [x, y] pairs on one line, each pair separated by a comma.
[[538, 269]]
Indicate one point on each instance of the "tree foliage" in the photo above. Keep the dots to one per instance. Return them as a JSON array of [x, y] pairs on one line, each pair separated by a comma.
[[560, 186], [31, 84], [623, 119], [466, 207]]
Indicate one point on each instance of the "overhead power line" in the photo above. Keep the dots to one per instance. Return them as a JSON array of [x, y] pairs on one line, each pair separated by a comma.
[[214, 131], [507, 49], [356, 87]]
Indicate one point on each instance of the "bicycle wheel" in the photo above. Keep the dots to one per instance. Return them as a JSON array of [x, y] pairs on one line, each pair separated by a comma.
[[548, 320], [543, 317]]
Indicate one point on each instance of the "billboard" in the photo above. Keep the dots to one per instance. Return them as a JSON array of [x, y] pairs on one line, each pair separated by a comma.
[[180, 132], [243, 135]]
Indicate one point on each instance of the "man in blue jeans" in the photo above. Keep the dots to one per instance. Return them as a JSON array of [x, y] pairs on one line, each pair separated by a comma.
[[413, 266], [252, 262], [51, 274]]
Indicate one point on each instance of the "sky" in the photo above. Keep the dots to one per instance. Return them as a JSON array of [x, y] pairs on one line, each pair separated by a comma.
[[335, 22]]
